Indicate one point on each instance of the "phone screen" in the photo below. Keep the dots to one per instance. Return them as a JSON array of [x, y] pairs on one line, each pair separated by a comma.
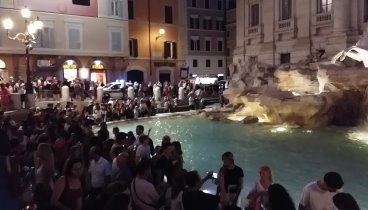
[[214, 175]]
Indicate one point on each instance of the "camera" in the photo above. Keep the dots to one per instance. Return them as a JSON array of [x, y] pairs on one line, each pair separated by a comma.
[[214, 175]]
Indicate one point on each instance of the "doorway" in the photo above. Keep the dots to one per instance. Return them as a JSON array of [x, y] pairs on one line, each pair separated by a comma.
[[164, 77], [135, 76]]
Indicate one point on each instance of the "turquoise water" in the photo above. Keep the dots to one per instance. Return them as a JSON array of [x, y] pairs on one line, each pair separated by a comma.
[[297, 156]]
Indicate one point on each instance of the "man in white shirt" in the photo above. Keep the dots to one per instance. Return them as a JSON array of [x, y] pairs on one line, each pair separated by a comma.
[[318, 195], [143, 193], [99, 173]]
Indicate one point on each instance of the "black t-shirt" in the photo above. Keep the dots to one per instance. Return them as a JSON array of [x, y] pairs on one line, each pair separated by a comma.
[[166, 167], [232, 177], [198, 200]]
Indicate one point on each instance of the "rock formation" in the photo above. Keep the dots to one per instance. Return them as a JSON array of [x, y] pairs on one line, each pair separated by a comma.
[[306, 94]]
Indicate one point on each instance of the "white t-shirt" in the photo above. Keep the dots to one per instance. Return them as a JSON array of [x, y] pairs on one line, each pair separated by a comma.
[[143, 151], [314, 198], [146, 192], [99, 171]]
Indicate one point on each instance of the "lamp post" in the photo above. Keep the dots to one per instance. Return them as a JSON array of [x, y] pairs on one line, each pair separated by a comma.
[[29, 37]]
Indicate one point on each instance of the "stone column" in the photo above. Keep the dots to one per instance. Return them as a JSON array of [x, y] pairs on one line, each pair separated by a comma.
[[341, 16]]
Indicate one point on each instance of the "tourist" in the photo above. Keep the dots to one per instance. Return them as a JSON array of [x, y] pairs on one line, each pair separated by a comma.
[[103, 133], [177, 157], [143, 150], [279, 198], [230, 181], [67, 193], [99, 174], [256, 196], [143, 193], [164, 165], [4, 97], [44, 177], [318, 194], [120, 141], [10, 188], [194, 198], [124, 173], [345, 201]]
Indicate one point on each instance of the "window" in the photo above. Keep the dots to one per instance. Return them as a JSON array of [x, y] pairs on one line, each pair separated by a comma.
[[207, 23], [194, 3], [74, 38], [219, 63], [170, 50], [219, 5], [285, 9], [168, 15], [227, 51], [82, 2], [208, 63], [365, 10], [115, 87], [47, 38], [285, 58], [116, 41], [133, 47], [220, 25], [131, 9], [207, 4], [254, 15], [324, 6], [208, 45], [115, 8], [195, 63], [219, 45], [194, 22], [195, 44]]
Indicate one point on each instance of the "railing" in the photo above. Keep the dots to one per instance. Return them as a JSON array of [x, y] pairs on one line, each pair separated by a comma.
[[284, 24], [253, 30], [323, 17]]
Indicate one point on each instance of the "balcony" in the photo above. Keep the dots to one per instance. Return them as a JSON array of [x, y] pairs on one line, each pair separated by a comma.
[[254, 30], [285, 25], [322, 19]]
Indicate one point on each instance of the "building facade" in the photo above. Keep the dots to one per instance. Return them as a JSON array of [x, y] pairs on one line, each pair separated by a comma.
[[283, 31], [155, 41], [206, 37], [230, 31], [85, 39]]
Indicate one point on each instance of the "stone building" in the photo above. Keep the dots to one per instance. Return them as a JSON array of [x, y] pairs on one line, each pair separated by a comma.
[[206, 36], [155, 40], [80, 38], [282, 31]]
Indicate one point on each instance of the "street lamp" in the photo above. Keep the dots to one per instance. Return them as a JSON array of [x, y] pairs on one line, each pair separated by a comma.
[[161, 32], [28, 38]]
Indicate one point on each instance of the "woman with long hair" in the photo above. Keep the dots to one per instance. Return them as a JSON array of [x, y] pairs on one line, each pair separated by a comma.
[[256, 194], [279, 198], [44, 176], [345, 201], [67, 193], [4, 97]]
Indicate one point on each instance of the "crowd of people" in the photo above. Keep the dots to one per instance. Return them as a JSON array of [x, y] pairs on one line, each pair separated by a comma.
[[54, 159]]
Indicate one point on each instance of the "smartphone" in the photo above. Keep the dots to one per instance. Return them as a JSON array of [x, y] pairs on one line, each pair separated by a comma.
[[214, 175]]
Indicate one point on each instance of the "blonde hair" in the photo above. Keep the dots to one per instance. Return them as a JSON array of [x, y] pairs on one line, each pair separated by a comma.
[[267, 170], [46, 160]]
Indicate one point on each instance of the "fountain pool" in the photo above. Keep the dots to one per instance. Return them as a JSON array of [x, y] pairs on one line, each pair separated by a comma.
[[296, 155]]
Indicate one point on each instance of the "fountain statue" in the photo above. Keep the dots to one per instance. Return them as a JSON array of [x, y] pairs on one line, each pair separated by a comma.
[[316, 92]]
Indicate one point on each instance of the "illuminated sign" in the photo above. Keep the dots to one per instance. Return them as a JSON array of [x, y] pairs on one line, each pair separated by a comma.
[[98, 66], [67, 66], [2, 64]]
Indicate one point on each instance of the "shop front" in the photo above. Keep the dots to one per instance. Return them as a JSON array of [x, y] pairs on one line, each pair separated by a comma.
[[4, 77], [98, 72], [70, 70]]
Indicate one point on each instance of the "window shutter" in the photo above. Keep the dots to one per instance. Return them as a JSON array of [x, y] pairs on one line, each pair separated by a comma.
[[135, 47], [167, 49], [74, 38], [52, 38], [110, 7], [198, 45], [116, 41], [174, 50], [120, 8]]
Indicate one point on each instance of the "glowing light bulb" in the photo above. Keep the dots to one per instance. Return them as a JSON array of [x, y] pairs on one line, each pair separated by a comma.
[[26, 13], [8, 24]]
